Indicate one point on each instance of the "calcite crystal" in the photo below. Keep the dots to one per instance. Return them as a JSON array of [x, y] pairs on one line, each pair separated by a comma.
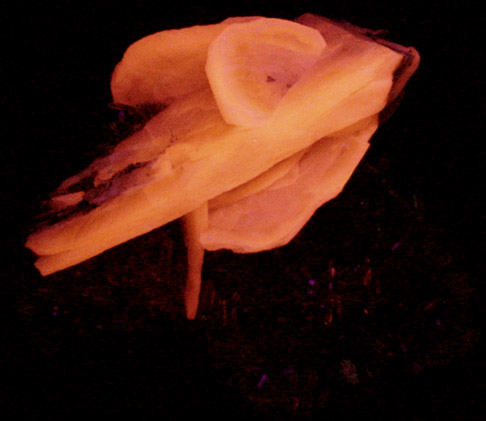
[[244, 176]]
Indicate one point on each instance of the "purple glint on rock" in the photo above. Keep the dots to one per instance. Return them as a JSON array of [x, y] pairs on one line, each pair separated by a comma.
[[312, 282], [262, 380]]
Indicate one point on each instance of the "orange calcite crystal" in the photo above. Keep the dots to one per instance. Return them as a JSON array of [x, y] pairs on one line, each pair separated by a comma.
[[246, 147]]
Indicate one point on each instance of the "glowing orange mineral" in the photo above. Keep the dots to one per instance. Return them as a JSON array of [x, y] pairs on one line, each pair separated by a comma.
[[263, 121]]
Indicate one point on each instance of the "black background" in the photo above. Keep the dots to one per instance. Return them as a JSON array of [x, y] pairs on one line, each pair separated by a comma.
[[108, 337]]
